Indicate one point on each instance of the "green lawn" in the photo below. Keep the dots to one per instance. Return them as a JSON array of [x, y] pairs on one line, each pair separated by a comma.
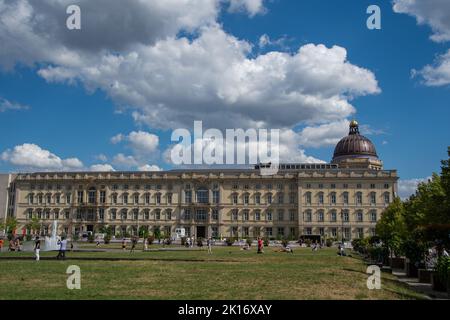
[[229, 273]]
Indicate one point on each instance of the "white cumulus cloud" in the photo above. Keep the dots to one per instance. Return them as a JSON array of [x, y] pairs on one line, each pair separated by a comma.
[[408, 187], [33, 156], [102, 168]]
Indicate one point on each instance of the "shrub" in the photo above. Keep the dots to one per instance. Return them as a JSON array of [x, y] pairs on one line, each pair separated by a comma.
[[28, 237], [199, 242], [443, 270], [249, 242], [91, 238], [168, 241], [150, 240], [107, 238], [308, 242], [329, 243], [266, 242], [183, 241]]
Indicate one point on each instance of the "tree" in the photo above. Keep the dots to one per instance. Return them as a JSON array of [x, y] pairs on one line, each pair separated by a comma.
[[10, 225], [34, 225], [391, 227]]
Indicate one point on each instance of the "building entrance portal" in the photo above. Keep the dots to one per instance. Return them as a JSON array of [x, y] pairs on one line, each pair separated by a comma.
[[201, 232]]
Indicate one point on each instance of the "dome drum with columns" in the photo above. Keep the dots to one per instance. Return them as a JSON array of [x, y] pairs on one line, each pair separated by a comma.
[[356, 151]]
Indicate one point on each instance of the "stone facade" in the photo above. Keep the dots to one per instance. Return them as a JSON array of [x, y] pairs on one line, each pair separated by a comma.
[[316, 200]]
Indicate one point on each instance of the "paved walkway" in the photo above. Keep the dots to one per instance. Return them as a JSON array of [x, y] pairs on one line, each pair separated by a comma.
[[424, 288]]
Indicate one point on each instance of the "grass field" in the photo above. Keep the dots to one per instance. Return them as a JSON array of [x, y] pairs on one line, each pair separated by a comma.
[[229, 273]]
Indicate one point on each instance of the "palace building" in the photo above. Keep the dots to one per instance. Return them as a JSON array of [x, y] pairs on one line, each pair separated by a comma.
[[343, 198]]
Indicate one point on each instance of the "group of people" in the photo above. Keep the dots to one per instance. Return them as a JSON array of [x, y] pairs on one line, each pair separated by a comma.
[[14, 245]]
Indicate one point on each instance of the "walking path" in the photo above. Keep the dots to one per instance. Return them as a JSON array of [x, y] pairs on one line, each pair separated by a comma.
[[424, 288]]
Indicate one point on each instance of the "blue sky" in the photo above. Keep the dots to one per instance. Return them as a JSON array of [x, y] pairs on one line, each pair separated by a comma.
[[72, 114]]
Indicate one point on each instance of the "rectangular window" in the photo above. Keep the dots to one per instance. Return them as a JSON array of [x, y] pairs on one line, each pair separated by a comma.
[[102, 196], [280, 215], [345, 216], [169, 214], [257, 198], [360, 232], [308, 217], [124, 215], [292, 231], [136, 199], [30, 198], [269, 232], [187, 214], [309, 231], [292, 215], [280, 231], [158, 215], [373, 216], [114, 198], [158, 198], [359, 198], [308, 198], [135, 214], [30, 214], [387, 198], [245, 231], [359, 216], [333, 198], [49, 199], [113, 214], [67, 214], [345, 196], [246, 199], [333, 217], [125, 198], [320, 216], [257, 215], [91, 196], [188, 196], [201, 215], [215, 214], [280, 198], [321, 198], [40, 199], [146, 214], [235, 215], [147, 198], [80, 196], [202, 196], [101, 214], [245, 216], [169, 198], [373, 198], [57, 199], [235, 198], [347, 234], [269, 215], [322, 231], [334, 232], [292, 198], [269, 198]]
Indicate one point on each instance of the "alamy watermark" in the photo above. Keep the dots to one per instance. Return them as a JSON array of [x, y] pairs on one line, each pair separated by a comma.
[[374, 280], [238, 147], [74, 278]]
